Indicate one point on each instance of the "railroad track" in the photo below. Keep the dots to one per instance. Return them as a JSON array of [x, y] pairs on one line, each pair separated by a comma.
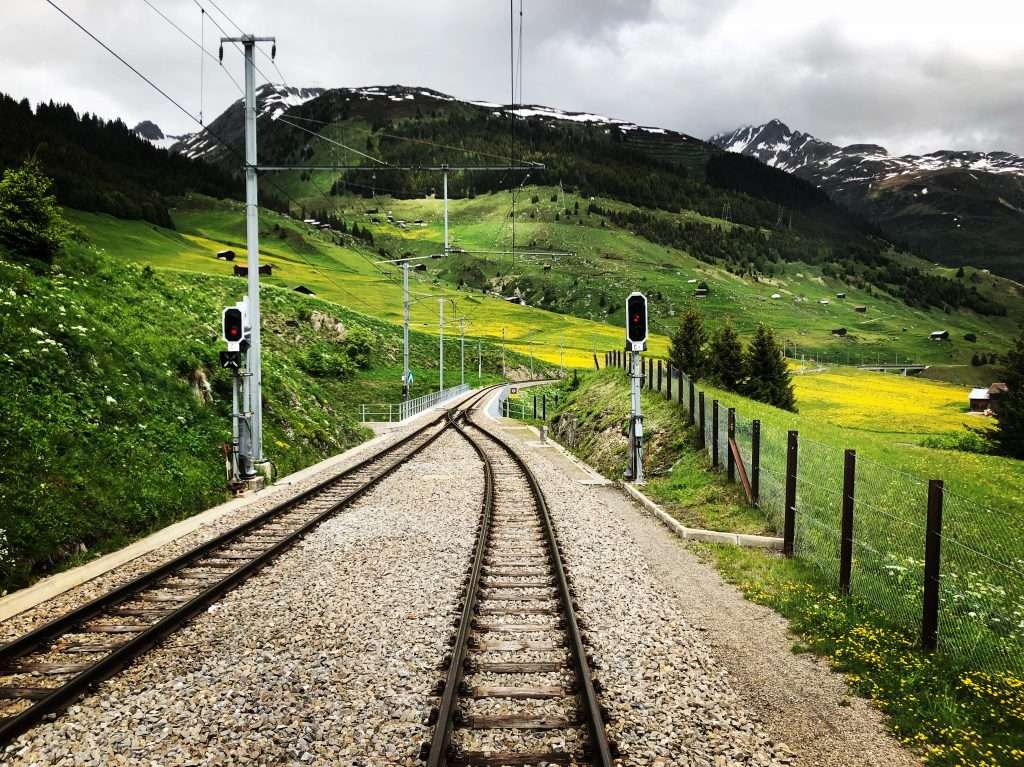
[[518, 689], [45, 670]]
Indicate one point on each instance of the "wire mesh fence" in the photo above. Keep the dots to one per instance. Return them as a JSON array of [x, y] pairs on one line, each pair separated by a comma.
[[980, 599]]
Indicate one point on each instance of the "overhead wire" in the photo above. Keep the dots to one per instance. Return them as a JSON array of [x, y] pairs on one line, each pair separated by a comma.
[[200, 46]]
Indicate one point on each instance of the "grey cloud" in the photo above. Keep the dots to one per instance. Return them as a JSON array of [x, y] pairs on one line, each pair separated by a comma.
[[660, 62]]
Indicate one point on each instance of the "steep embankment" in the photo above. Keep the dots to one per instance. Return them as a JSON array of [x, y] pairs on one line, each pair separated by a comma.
[[113, 409]]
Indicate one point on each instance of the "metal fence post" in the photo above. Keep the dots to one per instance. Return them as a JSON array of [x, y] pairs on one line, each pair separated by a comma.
[[692, 387], [535, 406], [789, 524], [846, 541], [703, 441], [714, 433], [659, 375], [932, 556], [730, 459], [755, 461]]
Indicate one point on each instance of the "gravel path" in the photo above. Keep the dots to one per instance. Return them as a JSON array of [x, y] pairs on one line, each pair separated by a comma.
[[79, 595], [692, 673], [327, 657]]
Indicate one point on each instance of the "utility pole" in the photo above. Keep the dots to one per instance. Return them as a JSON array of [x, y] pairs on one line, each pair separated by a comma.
[[252, 233], [440, 347], [479, 362], [504, 375], [444, 167], [531, 357], [405, 330], [462, 349], [561, 358]]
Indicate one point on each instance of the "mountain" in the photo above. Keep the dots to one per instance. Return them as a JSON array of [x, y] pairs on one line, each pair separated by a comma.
[[956, 207], [151, 132]]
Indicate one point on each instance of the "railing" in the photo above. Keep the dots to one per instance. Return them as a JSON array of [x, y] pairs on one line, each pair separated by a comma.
[[398, 411]]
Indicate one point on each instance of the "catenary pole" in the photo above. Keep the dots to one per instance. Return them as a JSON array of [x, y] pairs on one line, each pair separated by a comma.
[[462, 350], [440, 346], [405, 330], [252, 229]]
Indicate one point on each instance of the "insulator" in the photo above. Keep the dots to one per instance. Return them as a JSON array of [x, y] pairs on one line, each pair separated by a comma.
[[221, 54], [273, 51]]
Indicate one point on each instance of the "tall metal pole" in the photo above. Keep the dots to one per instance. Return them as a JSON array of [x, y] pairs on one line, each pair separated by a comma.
[[637, 430], [445, 166], [252, 241], [440, 347], [504, 375], [462, 349], [561, 358], [405, 330], [479, 362]]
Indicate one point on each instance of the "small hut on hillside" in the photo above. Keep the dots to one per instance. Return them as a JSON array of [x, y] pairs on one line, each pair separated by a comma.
[[938, 335], [225, 255], [243, 271], [839, 332], [303, 290], [862, 309]]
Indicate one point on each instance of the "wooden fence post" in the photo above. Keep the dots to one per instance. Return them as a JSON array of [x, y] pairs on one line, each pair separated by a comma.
[[659, 375], [668, 382], [714, 433], [692, 387], [544, 406], [730, 461], [535, 406], [755, 462], [932, 556], [789, 525], [846, 540], [703, 435], [650, 373]]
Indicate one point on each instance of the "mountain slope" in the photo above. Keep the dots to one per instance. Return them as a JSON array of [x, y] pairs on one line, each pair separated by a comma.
[[956, 207]]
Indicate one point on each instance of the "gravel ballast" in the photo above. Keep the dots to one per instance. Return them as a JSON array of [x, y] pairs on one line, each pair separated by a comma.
[[691, 673], [329, 656]]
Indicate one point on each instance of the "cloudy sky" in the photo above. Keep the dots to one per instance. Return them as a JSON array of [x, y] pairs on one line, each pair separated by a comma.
[[913, 76]]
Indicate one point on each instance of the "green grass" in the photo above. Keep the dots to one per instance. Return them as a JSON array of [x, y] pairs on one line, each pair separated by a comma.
[[607, 262], [952, 706], [113, 407], [343, 271]]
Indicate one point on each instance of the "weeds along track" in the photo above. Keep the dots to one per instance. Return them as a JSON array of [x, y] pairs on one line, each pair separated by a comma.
[[519, 689], [46, 669]]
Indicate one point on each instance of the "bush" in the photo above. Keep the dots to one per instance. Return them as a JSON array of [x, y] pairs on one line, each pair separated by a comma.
[[359, 343], [31, 225], [966, 441], [323, 362]]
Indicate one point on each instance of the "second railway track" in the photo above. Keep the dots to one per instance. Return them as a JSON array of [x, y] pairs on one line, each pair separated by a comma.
[[46, 669], [519, 689]]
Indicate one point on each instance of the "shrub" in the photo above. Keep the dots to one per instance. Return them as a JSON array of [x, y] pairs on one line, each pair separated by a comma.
[[323, 362], [31, 225], [966, 441], [359, 343]]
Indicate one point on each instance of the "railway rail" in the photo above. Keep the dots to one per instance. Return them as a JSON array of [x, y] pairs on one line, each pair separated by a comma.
[[518, 689], [45, 670]]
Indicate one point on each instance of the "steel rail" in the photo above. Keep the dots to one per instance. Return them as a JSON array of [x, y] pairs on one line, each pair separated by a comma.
[[117, 659], [599, 747]]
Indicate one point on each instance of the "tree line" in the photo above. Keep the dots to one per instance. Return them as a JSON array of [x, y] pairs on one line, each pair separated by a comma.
[[758, 371]]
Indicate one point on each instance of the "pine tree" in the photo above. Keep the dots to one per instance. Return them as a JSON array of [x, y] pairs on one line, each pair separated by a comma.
[[1010, 410], [31, 224], [768, 378], [687, 351], [725, 358]]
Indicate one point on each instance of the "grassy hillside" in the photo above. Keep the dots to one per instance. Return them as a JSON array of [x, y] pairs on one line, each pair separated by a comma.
[[607, 262], [113, 409], [342, 270]]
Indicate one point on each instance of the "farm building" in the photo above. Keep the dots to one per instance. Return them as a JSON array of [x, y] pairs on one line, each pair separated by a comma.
[[420, 268], [776, 295], [979, 400], [243, 271], [938, 335], [303, 290], [225, 255], [839, 332], [861, 309], [840, 295], [823, 301]]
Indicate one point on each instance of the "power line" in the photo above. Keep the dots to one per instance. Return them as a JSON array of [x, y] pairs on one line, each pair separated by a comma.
[[196, 43], [330, 140]]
